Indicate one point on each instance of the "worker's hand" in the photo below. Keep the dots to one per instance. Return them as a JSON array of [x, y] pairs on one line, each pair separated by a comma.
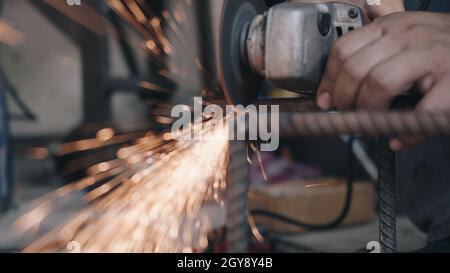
[[370, 66], [372, 8]]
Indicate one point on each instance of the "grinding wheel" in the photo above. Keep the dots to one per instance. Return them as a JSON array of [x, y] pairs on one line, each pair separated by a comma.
[[239, 84]]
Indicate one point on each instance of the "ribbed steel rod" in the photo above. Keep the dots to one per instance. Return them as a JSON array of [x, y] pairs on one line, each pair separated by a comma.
[[387, 198], [388, 124], [238, 231]]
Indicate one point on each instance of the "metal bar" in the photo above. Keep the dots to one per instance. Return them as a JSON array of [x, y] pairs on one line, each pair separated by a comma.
[[5, 153], [71, 29], [387, 198], [291, 105], [237, 227], [374, 124], [95, 61], [206, 43], [124, 43]]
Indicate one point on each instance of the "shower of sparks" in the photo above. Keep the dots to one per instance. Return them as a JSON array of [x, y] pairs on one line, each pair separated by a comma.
[[152, 196], [152, 202]]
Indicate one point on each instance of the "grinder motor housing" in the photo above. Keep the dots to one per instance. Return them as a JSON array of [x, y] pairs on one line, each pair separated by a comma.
[[288, 45]]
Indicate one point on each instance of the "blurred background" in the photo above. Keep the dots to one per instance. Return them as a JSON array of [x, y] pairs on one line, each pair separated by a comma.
[[106, 69]]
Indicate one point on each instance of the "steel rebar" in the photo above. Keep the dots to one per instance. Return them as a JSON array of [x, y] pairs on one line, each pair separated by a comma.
[[238, 231], [388, 124], [387, 198]]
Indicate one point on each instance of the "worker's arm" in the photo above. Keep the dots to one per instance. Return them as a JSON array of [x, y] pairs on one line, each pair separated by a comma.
[[372, 65]]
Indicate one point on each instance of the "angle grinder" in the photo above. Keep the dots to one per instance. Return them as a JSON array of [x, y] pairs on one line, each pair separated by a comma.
[[287, 44]]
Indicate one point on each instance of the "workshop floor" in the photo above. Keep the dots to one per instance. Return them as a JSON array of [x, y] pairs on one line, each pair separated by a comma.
[[34, 178], [349, 240]]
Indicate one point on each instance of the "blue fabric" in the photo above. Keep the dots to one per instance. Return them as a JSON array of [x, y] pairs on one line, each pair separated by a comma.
[[5, 153], [423, 179], [436, 5], [423, 176]]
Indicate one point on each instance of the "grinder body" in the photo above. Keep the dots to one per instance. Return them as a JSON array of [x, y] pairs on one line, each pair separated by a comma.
[[288, 45]]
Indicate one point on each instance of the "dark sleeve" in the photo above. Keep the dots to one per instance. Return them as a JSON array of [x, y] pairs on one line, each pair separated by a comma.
[[435, 5]]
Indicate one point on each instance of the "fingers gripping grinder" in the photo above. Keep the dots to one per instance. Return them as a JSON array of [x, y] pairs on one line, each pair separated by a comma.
[[287, 44]]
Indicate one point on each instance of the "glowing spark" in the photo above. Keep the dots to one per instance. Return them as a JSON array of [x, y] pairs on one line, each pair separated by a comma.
[[105, 134], [39, 153], [317, 185], [150, 44]]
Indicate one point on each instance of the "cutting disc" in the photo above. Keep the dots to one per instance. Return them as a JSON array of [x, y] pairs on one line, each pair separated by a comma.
[[239, 84]]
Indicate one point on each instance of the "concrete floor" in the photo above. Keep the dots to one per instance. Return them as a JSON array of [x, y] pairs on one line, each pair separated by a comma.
[[350, 239], [35, 178]]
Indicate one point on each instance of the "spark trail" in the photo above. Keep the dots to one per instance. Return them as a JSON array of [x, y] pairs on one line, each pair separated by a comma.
[[153, 201]]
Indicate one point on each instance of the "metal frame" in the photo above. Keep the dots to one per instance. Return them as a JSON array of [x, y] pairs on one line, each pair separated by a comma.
[[5, 153], [95, 56], [6, 179], [98, 86]]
